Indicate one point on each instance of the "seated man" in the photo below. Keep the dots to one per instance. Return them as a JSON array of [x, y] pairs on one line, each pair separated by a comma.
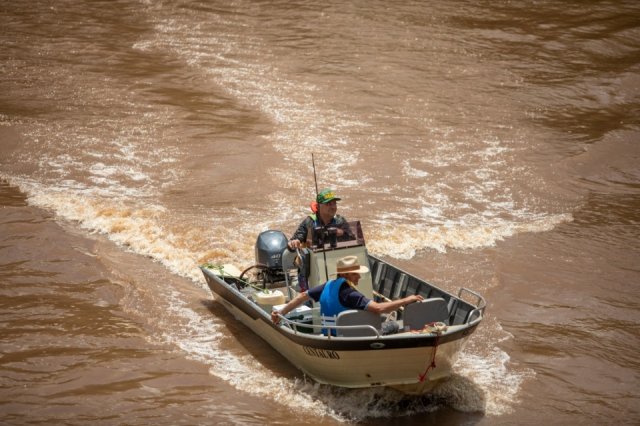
[[341, 294]]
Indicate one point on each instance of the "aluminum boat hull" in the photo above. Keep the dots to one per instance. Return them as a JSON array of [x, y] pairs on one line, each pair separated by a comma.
[[398, 361]]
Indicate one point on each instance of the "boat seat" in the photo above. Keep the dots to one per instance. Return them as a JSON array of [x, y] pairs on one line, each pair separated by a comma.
[[358, 317], [288, 260], [417, 315]]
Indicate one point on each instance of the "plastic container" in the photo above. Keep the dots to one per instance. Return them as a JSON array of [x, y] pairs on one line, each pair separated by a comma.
[[268, 300]]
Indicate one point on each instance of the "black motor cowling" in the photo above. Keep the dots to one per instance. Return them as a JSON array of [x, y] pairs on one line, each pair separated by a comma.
[[269, 248]]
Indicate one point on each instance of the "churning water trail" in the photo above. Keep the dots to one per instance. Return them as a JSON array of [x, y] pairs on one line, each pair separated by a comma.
[[181, 129]]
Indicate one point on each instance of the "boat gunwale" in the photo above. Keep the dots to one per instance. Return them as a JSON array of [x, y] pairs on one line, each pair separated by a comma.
[[405, 340]]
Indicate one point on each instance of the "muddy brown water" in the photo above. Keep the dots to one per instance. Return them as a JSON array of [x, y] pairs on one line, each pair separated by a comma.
[[493, 146]]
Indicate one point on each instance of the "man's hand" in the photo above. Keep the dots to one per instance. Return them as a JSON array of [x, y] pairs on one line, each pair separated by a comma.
[[413, 298], [294, 244]]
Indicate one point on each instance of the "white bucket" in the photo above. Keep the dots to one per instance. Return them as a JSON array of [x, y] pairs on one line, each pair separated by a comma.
[[268, 300]]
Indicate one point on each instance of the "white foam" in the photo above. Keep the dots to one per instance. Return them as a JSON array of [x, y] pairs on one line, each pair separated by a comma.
[[491, 373], [200, 338], [134, 227], [402, 241], [413, 172]]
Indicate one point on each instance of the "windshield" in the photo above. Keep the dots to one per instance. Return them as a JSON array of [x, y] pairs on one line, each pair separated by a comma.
[[347, 234]]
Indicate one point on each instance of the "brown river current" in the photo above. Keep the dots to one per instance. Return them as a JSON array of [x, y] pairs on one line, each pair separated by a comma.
[[490, 145]]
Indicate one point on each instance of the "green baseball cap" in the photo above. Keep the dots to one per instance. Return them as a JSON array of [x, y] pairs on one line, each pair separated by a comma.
[[326, 195]]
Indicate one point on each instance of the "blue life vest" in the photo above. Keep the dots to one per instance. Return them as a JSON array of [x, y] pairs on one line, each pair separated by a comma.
[[330, 305]]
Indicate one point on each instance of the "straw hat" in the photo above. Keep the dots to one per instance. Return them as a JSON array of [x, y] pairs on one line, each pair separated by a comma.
[[349, 264]]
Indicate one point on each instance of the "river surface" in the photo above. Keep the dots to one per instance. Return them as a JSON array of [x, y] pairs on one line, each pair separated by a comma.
[[490, 145]]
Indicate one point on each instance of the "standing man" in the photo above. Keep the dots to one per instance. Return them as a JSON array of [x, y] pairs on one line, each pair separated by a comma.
[[325, 216]]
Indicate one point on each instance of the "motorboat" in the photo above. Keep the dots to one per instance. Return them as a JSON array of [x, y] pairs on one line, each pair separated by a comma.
[[430, 334]]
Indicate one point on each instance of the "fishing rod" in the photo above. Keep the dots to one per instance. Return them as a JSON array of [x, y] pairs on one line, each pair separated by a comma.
[[324, 253], [315, 179]]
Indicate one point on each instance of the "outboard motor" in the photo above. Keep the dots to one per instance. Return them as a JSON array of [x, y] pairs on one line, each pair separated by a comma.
[[269, 247]]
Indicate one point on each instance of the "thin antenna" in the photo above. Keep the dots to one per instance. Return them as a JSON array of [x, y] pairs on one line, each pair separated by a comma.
[[315, 179], [324, 253]]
